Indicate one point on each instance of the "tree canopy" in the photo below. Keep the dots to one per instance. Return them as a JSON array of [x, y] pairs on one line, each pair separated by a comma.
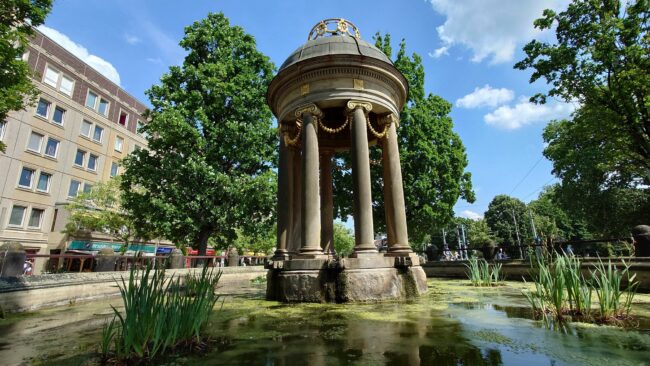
[[100, 210], [601, 186], [208, 170], [508, 218], [17, 19], [432, 157], [343, 240], [600, 59]]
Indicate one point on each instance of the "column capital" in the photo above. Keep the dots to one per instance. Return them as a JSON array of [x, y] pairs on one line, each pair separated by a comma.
[[387, 119], [308, 108], [354, 104]]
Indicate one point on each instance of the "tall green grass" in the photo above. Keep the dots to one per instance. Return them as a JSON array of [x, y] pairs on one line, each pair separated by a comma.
[[159, 313], [481, 273], [561, 290]]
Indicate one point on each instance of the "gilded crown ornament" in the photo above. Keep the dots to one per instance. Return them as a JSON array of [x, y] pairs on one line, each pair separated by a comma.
[[341, 26]]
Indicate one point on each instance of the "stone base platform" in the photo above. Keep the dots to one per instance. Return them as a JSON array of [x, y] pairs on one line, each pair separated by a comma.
[[367, 278]]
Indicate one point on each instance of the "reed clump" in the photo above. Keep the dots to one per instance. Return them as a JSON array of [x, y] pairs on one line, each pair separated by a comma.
[[161, 313], [563, 293], [483, 274]]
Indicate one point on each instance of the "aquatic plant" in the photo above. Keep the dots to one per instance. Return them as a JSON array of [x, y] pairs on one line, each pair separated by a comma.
[[551, 294], [608, 287], [561, 290], [481, 273], [159, 313]]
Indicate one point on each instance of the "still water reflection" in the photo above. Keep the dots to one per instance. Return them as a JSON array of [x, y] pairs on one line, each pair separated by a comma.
[[454, 324]]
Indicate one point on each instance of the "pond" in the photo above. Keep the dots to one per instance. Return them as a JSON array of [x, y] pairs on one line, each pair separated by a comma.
[[454, 324]]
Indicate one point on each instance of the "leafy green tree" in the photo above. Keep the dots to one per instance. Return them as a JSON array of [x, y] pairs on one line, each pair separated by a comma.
[[100, 210], [343, 240], [477, 232], [508, 217], [17, 19], [208, 170], [432, 157], [258, 242], [601, 185], [552, 221], [601, 59]]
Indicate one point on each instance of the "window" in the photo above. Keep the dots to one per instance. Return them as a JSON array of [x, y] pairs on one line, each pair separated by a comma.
[[26, 177], [103, 107], [35, 141], [113, 169], [98, 104], [52, 147], [58, 116], [51, 77], [87, 187], [91, 100], [80, 158], [124, 119], [85, 128], [43, 108], [74, 188], [35, 218], [57, 80], [97, 135], [92, 162], [17, 215], [43, 184], [67, 85], [119, 143]]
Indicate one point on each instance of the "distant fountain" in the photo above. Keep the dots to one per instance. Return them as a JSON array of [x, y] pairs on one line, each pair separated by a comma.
[[337, 93]]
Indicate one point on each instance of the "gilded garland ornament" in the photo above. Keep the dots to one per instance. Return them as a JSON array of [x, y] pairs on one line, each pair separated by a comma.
[[334, 130], [293, 141], [374, 132]]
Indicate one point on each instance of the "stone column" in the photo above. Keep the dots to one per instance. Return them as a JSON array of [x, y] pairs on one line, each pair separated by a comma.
[[284, 200], [363, 225], [326, 204], [388, 198], [310, 245], [296, 202], [394, 192]]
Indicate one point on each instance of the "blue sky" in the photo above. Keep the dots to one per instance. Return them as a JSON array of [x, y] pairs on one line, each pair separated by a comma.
[[468, 49]]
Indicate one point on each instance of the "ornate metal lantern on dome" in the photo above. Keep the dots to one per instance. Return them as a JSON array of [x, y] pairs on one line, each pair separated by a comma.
[[337, 93]]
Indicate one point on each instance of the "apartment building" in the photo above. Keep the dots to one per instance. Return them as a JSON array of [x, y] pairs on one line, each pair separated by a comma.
[[74, 137]]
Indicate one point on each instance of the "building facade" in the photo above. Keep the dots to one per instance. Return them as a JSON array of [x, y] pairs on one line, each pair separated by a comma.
[[74, 137]]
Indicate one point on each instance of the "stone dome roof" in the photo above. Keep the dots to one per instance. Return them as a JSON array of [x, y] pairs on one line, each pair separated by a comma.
[[334, 45]]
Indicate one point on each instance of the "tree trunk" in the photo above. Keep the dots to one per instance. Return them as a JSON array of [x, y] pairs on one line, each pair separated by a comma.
[[202, 246]]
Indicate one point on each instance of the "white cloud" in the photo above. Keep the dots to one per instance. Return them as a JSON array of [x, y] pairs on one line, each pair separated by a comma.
[[485, 97], [525, 113], [165, 43], [102, 66], [439, 52], [471, 215], [131, 39], [492, 29]]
